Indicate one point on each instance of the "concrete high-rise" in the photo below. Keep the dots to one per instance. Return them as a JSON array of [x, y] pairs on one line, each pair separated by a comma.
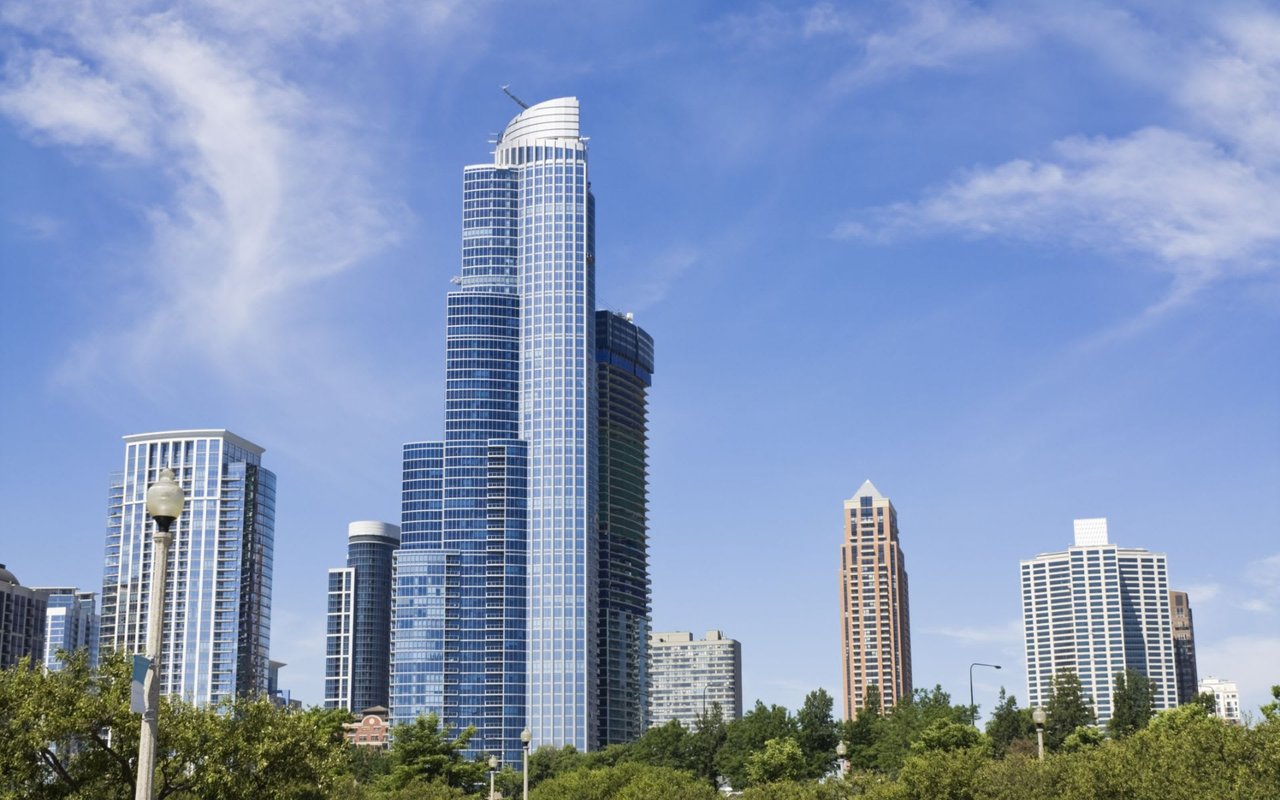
[[358, 632], [1184, 646], [1226, 697], [1098, 609], [217, 601], [624, 372], [497, 579], [875, 615], [71, 624], [22, 621], [689, 676]]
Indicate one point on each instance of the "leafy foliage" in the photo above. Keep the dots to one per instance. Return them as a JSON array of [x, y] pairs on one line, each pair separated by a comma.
[[780, 760], [424, 751], [748, 735], [1132, 703], [628, 781], [1067, 709], [818, 733], [1009, 724]]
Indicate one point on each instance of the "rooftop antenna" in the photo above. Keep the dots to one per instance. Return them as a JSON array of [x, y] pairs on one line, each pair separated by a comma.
[[506, 90]]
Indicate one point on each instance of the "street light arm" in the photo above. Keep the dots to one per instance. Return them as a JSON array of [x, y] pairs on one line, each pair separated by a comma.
[[973, 709]]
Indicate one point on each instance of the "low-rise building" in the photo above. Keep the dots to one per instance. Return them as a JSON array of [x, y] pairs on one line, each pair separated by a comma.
[[373, 729], [1226, 697]]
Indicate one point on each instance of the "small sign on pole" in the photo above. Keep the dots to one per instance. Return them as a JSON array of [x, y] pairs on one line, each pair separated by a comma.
[[137, 692]]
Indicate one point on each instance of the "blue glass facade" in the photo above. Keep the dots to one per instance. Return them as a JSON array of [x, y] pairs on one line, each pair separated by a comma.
[[217, 605], [460, 577], [358, 633], [497, 580], [71, 624], [556, 258], [624, 372]]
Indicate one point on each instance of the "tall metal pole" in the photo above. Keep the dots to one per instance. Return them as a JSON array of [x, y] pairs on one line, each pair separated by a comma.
[[164, 504], [1039, 717], [973, 709], [526, 736], [151, 687]]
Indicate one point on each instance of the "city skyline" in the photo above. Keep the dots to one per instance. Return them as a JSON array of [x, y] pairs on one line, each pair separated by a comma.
[[966, 249]]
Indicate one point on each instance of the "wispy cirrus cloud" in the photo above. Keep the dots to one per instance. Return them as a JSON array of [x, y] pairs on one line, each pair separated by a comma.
[[1009, 633], [267, 188], [1200, 201]]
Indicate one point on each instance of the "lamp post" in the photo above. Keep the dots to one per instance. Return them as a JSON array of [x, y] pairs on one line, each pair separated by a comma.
[[525, 737], [164, 504], [973, 710], [841, 750], [493, 767], [1039, 717]]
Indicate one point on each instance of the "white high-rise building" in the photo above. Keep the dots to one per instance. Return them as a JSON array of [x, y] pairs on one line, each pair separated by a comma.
[[1226, 697], [1098, 609], [688, 676], [217, 603]]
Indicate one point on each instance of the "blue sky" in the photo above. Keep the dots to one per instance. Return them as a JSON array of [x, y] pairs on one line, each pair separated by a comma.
[[1014, 262]]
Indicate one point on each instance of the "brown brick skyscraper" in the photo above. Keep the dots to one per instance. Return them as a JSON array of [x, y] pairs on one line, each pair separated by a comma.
[[875, 619]]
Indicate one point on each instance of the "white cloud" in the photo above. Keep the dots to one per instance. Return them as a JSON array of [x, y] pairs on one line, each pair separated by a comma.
[[1263, 580], [270, 189], [1250, 661], [936, 33], [59, 98], [1200, 204], [1202, 592], [1009, 633], [652, 281]]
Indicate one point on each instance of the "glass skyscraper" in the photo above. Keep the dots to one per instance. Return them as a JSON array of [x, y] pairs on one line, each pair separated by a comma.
[[71, 624], [217, 603], [358, 631], [495, 614], [624, 372]]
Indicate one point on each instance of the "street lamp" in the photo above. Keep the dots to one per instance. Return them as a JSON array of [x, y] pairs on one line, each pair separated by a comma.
[[1039, 717], [973, 710], [164, 504], [525, 737], [493, 767], [841, 750]]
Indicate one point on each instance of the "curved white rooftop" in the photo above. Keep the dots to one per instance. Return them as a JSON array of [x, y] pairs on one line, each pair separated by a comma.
[[550, 119], [368, 527]]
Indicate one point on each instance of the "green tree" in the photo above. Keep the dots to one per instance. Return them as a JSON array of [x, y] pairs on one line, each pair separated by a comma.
[[708, 736], [1008, 724], [663, 746], [71, 734], [861, 732], [549, 762], [627, 781], [818, 733], [1270, 711], [780, 760], [748, 735], [425, 751], [906, 723], [1132, 703], [1068, 708], [945, 734]]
